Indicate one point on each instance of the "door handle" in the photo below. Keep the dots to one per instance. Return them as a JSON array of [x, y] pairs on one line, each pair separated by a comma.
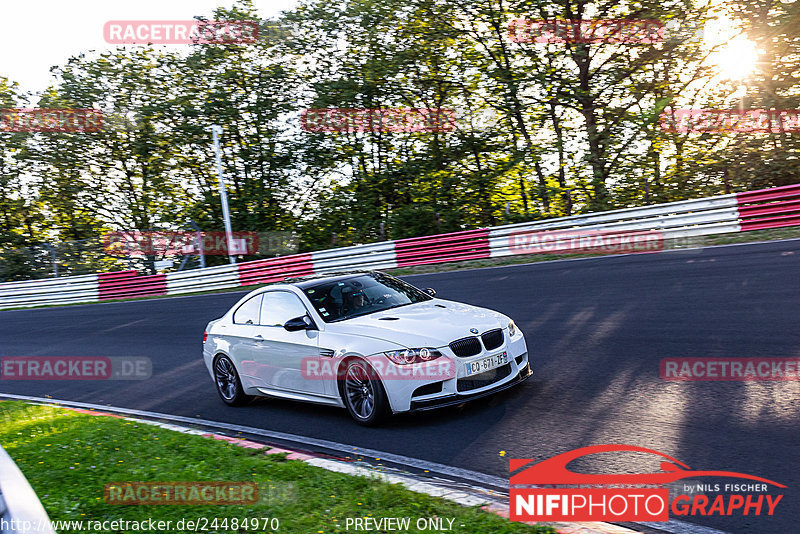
[[258, 337]]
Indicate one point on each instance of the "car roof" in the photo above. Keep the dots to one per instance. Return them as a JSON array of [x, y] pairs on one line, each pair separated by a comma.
[[304, 282]]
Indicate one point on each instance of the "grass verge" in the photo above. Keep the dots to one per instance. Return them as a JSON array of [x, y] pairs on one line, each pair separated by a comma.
[[69, 457]]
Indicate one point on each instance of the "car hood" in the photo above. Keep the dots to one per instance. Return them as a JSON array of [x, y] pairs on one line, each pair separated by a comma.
[[433, 323]]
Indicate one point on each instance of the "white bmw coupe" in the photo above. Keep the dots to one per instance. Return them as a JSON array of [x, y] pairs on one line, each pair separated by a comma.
[[365, 341]]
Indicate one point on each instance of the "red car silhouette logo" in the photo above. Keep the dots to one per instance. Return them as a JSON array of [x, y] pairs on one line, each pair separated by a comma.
[[554, 470]]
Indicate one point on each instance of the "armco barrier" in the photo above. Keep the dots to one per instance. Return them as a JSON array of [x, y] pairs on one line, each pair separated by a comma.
[[457, 246], [714, 215], [129, 284], [371, 256], [274, 269], [753, 210], [66, 290], [208, 279], [770, 208]]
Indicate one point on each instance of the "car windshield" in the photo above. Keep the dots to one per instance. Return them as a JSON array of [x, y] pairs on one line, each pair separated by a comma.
[[339, 300]]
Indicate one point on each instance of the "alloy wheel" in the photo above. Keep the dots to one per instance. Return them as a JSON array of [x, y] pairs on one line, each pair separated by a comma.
[[359, 390], [226, 378]]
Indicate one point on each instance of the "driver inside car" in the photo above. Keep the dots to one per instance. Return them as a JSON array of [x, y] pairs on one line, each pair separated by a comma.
[[353, 302], [358, 301]]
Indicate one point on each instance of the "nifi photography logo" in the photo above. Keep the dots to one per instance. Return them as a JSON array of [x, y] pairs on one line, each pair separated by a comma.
[[629, 497]]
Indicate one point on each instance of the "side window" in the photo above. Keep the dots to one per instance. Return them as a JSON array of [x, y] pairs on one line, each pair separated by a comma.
[[247, 313], [280, 306]]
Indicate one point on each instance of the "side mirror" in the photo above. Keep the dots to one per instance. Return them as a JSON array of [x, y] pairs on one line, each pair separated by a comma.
[[430, 291], [299, 323]]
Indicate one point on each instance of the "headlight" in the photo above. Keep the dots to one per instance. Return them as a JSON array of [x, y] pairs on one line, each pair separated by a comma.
[[408, 356], [512, 329]]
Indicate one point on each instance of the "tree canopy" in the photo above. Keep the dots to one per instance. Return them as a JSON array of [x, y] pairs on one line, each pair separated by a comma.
[[541, 129]]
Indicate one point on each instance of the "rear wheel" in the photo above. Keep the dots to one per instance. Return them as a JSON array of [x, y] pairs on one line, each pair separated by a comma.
[[364, 395], [229, 386]]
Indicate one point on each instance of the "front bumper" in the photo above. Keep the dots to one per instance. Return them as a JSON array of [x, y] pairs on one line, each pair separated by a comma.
[[455, 400], [412, 394]]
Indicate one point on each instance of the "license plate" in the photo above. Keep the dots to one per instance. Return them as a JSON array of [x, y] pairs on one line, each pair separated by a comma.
[[486, 364]]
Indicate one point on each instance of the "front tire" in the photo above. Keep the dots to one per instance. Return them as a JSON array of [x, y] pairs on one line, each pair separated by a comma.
[[228, 384], [363, 394]]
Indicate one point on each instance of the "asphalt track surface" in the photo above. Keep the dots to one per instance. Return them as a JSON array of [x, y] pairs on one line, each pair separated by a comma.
[[596, 330]]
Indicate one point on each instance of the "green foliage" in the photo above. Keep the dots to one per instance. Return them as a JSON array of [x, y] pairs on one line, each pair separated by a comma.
[[541, 129]]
